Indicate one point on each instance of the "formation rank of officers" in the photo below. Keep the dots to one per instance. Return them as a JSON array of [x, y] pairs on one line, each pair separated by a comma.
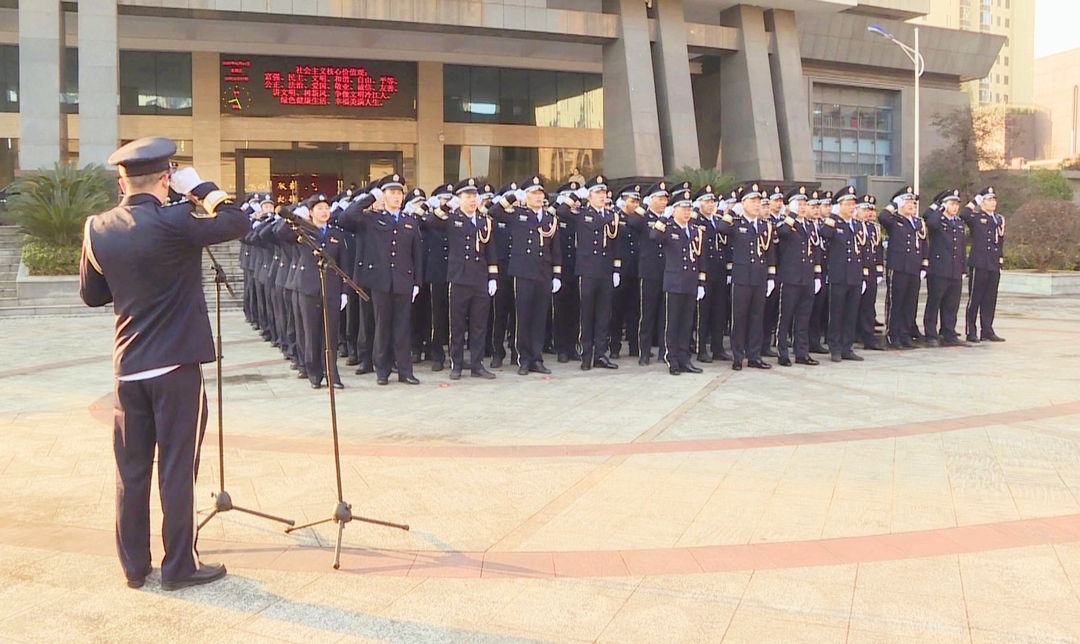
[[577, 273]]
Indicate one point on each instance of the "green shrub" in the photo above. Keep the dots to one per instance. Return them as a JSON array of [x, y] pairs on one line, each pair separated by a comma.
[[1043, 235], [1050, 184], [45, 259], [51, 206], [698, 177]]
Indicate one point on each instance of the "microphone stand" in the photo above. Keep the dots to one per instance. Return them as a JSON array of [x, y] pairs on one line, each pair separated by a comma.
[[222, 499], [342, 513]]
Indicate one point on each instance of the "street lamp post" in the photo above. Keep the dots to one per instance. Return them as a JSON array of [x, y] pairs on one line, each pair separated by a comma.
[[920, 67]]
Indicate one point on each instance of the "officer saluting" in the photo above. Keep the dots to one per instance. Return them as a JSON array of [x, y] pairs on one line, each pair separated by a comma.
[[684, 281], [948, 250], [147, 260], [800, 279], [987, 243]]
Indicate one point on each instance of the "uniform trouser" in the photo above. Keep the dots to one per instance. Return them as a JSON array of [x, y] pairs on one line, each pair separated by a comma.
[[819, 317], [712, 316], [262, 306], [942, 305], [771, 319], [169, 413], [678, 326], [531, 301], [796, 305], [982, 300], [392, 330], [288, 345], [625, 312], [311, 312], [868, 313], [277, 296], [843, 316], [469, 308], [503, 325], [652, 315], [901, 302], [298, 324], [566, 317], [596, 293], [249, 296], [439, 305], [747, 312], [352, 324], [420, 320]]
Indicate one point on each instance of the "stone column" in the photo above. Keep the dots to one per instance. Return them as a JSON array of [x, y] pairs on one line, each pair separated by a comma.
[[750, 141], [631, 126], [674, 95], [99, 74], [707, 108], [789, 90], [206, 115], [42, 125], [429, 125]]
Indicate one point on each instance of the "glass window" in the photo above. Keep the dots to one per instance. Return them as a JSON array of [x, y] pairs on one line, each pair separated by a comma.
[[544, 95], [985, 17], [155, 83], [514, 97], [1006, 23], [852, 131], [483, 105], [9, 78], [69, 97], [455, 93], [522, 97], [984, 95]]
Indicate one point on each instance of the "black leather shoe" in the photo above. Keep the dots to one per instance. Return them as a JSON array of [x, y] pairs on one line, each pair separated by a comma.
[[538, 367], [409, 380], [852, 357], [483, 373], [759, 364], [837, 358], [704, 357], [908, 345], [604, 363], [614, 355], [951, 342], [455, 374], [301, 374], [973, 339], [784, 362], [204, 575], [675, 371], [574, 355], [523, 369], [365, 368], [352, 362], [723, 356], [736, 366], [563, 358], [994, 338], [873, 346], [768, 353], [634, 353], [139, 582], [417, 356], [338, 385], [343, 352], [807, 361], [820, 350], [383, 381], [316, 385], [585, 366], [496, 363], [931, 342], [437, 365], [644, 360], [690, 368]]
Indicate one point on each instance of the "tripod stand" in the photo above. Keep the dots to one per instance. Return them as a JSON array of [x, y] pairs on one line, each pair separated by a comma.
[[222, 500], [342, 513]]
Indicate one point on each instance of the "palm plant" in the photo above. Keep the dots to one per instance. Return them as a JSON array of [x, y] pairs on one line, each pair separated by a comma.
[[51, 206], [699, 177]]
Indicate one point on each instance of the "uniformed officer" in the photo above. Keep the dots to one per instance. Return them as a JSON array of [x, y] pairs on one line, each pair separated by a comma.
[[360, 314], [147, 260], [684, 281], [566, 312], [309, 285], [873, 254], [626, 301], [820, 205], [535, 263], [948, 255], [712, 310], [650, 269], [598, 271], [772, 303], [800, 279], [847, 275], [503, 323], [473, 273], [433, 302], [753, 275], [987, 247], [907, 263], [394, 265]]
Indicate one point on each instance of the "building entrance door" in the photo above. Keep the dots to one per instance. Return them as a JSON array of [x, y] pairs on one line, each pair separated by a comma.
[[294, 175]]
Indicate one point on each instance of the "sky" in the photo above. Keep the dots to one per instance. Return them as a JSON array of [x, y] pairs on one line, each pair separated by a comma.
[[1057, 26]]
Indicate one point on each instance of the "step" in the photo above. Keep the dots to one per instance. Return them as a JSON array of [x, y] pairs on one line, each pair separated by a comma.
[[61, 310]]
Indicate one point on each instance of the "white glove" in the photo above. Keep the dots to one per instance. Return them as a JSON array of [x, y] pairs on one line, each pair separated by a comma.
[[493, 285], [415, 292], [432, 202], [863, 288], [520, 196], [885, 244], [616, 279], [817, 285], [770, 286], [880, 279], [556, 285], [454, 204], [377, 193], [700, 293], [729, 280], [343, 204], [247, 205], [302, 211], [344, 301], [185, 180], [922, 275]]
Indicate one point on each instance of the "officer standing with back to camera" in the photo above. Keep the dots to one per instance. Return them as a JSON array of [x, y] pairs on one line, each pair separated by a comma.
[[147, 260]]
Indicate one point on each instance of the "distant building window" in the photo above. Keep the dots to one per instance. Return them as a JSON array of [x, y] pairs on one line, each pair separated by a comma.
[[1006, 61], [522, 97], [1006, 23], [997, 98], [1006, 79], [1006, 4], [985, 18], [853, 131], [1006, 98], [984, 95], [155, 83], [997, 78]]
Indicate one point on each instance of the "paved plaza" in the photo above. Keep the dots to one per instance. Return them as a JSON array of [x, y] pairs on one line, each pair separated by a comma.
[[923, 496]]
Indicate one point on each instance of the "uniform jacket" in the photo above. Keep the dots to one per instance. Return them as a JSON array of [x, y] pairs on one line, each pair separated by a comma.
[[595, 249], [908, 250], [714, 254], [307, 278], [948, 244], [392, 251], [651, 252], [534, 250], [798, 263], [753, 253], [472, 259], [567, 239], [682, 256], [987, 238], [845, 251], [436, 255], [627, 247]]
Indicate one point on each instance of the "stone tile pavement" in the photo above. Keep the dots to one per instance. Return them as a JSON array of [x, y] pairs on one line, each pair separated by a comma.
[[926, 496]]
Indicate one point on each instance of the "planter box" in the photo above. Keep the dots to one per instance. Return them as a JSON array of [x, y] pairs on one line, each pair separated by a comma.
[[1045, 284], [46, 290]]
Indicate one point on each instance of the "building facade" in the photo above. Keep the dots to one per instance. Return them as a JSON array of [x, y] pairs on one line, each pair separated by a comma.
[[1057, 93], [298, 96]]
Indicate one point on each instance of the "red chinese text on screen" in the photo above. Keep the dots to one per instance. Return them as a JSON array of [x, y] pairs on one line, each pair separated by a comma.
[[310, 85]]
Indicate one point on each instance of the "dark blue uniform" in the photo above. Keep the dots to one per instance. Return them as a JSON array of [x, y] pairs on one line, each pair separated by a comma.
[[753, 266], [651, 275], [147, 260], [846, 281], [874, 261], [595, 264], [566, 303], [713, 309], [626, 300], [682, 277], [948, 255], [796, 270], [987, 248], [907, 258]]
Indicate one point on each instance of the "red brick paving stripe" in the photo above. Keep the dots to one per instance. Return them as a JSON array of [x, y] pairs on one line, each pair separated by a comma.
[[588, 563], [270, 444]]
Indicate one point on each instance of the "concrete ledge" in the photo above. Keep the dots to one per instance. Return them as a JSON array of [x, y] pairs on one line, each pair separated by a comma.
[[1031, 283], [33, 290]]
